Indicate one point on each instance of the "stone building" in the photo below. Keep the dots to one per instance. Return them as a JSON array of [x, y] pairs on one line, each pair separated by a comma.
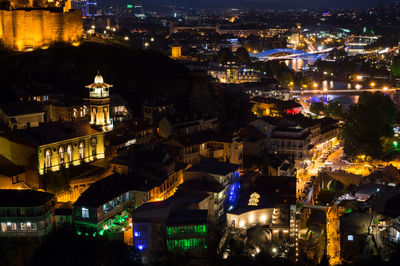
[[24, 30]]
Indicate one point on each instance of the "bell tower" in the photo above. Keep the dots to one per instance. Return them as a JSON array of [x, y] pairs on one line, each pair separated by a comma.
[[99, 100]]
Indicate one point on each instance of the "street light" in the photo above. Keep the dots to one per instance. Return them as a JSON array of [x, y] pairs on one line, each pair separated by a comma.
[[372, 84], [385, 88]]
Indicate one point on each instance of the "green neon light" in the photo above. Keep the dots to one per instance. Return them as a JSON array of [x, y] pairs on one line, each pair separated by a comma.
[[189, 229], [129, 6], [188, 243]]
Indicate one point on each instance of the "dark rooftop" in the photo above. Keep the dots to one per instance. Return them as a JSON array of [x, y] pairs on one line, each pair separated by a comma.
[[20, 108], [55, 132], [111, 187], [8, 168], [204, 183], [23, 198], [187, 217], [213, 166]]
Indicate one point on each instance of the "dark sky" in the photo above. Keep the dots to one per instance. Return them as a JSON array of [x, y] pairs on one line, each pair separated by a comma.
[[281, 3]]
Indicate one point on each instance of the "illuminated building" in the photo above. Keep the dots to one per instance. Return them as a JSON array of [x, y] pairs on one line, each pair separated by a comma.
[[181, 220], [270, 203], [357, 44], [176, 52], [221, 180], [105, 205], [19, 115], [35, 25], [233, 73], [274, 107], [207, 143], [99, 100], [185, 124], [155, 166], [26, 213], [49, 147], [91, 8]]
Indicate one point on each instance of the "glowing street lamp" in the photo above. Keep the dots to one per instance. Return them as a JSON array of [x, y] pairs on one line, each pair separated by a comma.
[[358, 86], [315, 85], [372, 84], [385, 88]]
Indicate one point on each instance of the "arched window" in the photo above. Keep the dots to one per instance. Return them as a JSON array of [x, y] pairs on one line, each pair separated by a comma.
[[47, 158], [94, 145], [69, 153], [81, 150], [61, 155]]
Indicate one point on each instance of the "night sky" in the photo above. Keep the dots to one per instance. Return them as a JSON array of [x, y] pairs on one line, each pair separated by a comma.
[[280, 3]]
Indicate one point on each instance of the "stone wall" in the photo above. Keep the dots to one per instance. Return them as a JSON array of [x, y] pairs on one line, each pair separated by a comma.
[[24, 30]]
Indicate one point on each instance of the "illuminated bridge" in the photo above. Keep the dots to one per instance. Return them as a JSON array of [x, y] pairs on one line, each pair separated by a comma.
[[290, 54]]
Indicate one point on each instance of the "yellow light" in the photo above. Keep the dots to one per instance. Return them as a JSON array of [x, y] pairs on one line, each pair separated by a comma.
[[359, 78], [372, 84], [315, 85], [325, 89], [385, 88], [358, 86]]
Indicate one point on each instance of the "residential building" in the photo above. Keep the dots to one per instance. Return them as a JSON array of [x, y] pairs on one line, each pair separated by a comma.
[[20, 115], [106, 205], [26, 213], [12, 176], [207, 143], [176, 224], [206, 175], [155, 166], [154, 111], [185, 124]]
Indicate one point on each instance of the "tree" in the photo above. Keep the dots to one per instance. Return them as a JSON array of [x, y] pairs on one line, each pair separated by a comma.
[[225, 55], [368, 124], [258, 110], [396, 66], [242, 56], [317, 108], [334, 110]]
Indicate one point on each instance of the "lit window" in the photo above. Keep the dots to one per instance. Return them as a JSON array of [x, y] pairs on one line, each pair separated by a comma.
[[85, 213], [350, 238], [13, 226], [23, 226], [61, 155], [3, 227], [34, 226], [47, 160], [28, 226], [69, 153]]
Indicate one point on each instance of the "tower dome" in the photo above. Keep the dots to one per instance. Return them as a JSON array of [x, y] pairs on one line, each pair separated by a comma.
[[98, 79]]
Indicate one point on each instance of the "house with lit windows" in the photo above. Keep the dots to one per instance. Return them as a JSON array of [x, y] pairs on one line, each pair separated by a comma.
[[26, 213], [107, 204], [221, 180], [19, 115], [208, 143], [154, 165], [179, 223]]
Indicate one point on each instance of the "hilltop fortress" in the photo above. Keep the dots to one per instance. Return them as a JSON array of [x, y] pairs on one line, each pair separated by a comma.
[[32, 24]]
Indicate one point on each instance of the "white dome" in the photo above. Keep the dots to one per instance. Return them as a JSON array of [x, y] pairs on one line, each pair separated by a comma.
[[98, 79]]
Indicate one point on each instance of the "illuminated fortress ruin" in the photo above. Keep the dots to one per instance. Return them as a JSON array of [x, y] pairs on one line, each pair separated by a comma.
[[28, 25]]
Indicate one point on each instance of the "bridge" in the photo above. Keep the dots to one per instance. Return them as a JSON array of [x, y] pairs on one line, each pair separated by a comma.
[[290, 54], [340, 91]]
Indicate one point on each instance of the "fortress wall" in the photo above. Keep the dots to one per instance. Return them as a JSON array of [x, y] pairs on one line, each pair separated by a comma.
[[30, 29]]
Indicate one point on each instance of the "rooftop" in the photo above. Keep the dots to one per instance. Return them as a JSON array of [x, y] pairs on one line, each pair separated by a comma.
[[109, 188], [8, 168], [20, 108], [23, 198], [213, 166], [55, 132]]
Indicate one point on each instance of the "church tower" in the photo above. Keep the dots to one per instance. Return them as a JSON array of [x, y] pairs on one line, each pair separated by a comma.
[[99, 99]]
